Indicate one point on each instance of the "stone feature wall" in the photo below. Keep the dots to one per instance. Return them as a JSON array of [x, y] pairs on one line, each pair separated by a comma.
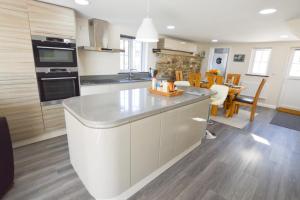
[[186, 64]]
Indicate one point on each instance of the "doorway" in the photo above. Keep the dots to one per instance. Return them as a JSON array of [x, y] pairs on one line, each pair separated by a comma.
[[290, 98], [218, 59]]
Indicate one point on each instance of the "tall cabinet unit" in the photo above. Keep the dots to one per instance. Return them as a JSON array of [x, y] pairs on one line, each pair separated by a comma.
[[19, 97], [51, 20]]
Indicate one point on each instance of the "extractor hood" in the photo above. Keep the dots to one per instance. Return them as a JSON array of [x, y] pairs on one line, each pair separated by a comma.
[[99, 37]]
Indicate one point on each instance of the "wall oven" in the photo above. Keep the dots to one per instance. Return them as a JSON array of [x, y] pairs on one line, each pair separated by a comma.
[[54, 52], [56, 84]]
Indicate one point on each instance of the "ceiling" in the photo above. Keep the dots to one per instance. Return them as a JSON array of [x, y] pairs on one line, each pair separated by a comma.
[[200, 20]]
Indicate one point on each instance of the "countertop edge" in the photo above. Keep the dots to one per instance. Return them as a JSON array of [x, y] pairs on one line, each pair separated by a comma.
[[117, 123]]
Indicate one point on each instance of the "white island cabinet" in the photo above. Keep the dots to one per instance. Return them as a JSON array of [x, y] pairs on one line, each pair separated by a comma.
[[120, 141]]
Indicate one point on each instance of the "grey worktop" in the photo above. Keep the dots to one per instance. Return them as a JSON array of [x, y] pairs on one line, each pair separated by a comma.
[[114, 109], [113, 79]]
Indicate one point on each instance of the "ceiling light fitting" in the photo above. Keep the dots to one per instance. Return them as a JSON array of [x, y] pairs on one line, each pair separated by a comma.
[[170, 27], [267, 11], [147, 31]]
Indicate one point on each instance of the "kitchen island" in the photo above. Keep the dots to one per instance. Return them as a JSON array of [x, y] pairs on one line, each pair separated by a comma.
[[119, 142]]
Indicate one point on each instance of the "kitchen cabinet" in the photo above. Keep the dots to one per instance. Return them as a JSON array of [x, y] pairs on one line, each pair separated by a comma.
[[51, 20], [19, 97], [54, 118], [105, 88], [17, 5], [117, 151], [177, 45], [145, 136], [175, 139], [168, 136], [188, 119]]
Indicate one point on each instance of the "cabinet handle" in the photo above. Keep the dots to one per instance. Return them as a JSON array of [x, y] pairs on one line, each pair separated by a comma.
[[60, 78]]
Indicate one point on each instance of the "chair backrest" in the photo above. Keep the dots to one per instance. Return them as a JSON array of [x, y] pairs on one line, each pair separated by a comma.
[[194, 79], [191, 78], [210, 79], [182, 83], [233, 78], [221, 93], [219, 80], [258, 91], [214, 79], [179, 75], [197, 79]]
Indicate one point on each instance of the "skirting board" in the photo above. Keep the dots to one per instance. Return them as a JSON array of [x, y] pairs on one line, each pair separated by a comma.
[[288, 110], [266, 105], [44, 136], [138, 186]]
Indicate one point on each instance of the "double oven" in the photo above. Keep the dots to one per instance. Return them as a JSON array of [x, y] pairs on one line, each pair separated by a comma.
[[56, 68]]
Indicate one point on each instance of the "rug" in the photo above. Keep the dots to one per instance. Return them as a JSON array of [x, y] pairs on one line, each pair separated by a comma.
[[238, 120], [286, 120]]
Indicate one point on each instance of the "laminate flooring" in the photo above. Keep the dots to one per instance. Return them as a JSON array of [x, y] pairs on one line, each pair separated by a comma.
[[260, 162]]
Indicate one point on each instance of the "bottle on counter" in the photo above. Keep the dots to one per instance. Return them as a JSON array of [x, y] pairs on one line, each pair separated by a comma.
[[154, 83], [171, 86], [165, 86]]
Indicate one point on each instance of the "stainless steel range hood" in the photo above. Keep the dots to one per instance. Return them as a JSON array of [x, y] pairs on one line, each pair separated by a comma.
[[99, 37]]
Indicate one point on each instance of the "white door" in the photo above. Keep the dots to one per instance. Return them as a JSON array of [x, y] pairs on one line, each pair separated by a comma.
[[290, 93], [219, 59]]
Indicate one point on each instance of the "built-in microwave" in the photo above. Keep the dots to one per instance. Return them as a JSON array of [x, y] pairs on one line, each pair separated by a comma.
[[54, 52]]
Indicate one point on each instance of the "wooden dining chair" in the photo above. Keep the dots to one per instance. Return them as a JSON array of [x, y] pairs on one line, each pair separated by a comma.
[[219, 80], [194, 79], [179, 75], [250, 102], [213, 79], [210, 80], [233, 78], [191, 78], [197, 79]]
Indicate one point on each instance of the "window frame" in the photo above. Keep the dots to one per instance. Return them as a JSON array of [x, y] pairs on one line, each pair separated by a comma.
[[252, 59], [144, 55], [292, 54]]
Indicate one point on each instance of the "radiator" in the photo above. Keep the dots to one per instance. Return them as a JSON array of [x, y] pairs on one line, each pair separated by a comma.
[[251, 88]]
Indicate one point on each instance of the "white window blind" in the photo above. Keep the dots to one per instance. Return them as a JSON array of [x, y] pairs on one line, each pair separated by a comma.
[[135, 55], [260, 61], [295, 64]]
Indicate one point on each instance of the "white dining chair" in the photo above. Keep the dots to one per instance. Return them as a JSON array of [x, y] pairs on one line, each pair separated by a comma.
[[221, 92]]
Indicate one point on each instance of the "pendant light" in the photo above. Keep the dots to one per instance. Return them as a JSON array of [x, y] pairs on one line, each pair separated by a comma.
[[147, 31]]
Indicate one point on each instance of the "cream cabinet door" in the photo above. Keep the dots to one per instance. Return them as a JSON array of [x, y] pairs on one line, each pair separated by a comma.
[[145, 139], [190, 126], [168, 136], [19, 97], [17, 5], [51, 20], [54, 118]]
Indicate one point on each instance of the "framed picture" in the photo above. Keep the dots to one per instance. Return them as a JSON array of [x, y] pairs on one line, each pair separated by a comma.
[[239, 58]]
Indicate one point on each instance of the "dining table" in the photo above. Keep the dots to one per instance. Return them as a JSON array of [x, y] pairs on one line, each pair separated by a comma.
[[234, 90]]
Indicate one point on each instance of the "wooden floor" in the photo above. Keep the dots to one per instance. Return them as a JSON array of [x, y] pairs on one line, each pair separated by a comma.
[[261, 162]]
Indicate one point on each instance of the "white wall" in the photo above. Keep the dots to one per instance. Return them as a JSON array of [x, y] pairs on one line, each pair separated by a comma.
[[277, 68], [96, 63]]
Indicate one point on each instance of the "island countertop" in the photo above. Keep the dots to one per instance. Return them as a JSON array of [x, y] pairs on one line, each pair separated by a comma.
[[109, 110]]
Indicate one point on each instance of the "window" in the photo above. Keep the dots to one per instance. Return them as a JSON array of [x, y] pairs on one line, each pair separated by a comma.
[[260, 61], [295, 64], [135, 55]]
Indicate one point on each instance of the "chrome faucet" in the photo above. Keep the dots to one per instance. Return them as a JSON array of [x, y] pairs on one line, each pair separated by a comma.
[[130, 74]]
